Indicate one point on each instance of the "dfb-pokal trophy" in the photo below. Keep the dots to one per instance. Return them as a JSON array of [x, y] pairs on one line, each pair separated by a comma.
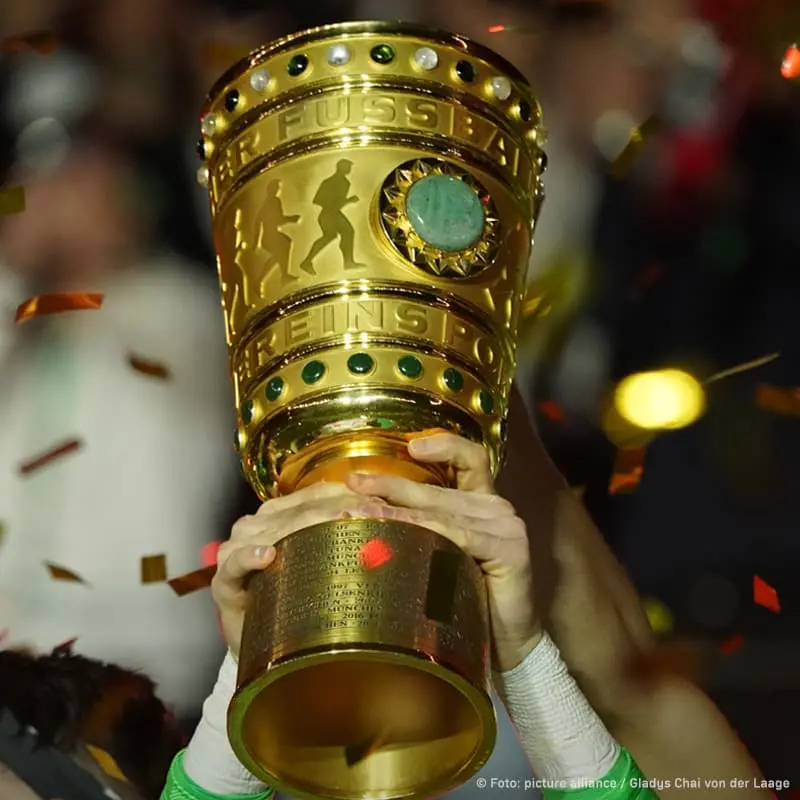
[[373, 190]]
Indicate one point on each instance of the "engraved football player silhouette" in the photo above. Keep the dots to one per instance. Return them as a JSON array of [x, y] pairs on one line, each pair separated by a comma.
[[332, 197], [270, 237]]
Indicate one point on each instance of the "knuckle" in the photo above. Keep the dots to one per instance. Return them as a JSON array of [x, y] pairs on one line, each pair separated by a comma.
[[501, 506]]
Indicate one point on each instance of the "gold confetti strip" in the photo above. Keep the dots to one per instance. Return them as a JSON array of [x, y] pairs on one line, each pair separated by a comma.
[[61, 574], [36, 463], [12, 199], [639, 137], [40, 41], [658, 615], [154, 569], [106, 763], [192, 581], [152, 369], [746, 367], [56, 303]]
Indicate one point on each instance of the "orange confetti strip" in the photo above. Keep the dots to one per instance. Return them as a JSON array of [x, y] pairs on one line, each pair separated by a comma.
[[765, 596], [639, 137], [732, 645], [154, 569], [39, 41], [223, 55], [551, 411], [106, 763], [746, 367], [36, 463], [12, 199], [778, 400], [61, 574], [153, 369], [192, 581], [628, 468], [790, 68], [56, 303]]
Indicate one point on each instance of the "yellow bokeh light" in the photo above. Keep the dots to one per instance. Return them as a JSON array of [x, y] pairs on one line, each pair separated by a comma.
[[663, 400]]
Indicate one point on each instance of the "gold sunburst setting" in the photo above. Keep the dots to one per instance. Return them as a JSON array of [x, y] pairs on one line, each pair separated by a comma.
[[400, 230]]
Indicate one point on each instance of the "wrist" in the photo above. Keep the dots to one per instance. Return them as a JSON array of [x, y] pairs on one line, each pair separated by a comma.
[[509, 655]]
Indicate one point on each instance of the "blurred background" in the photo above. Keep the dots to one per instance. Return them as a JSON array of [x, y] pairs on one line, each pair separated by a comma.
[[670, 240]]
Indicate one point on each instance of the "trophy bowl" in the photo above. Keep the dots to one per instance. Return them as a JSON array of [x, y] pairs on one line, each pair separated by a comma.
[[373, 190]]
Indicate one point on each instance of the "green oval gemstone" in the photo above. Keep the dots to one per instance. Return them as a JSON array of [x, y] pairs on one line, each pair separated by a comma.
[[312, 372], [410, 367], [262, 472], [248, 410], [453, 380], [274, 389], [297, 65], [445, 212], [486, 402], [360, 363], [382, 54]]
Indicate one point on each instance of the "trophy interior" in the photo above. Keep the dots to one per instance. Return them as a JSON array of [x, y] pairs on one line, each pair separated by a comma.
[[365, 724]]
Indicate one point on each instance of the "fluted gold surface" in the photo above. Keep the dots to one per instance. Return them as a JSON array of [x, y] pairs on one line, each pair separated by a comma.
[[373, 188]]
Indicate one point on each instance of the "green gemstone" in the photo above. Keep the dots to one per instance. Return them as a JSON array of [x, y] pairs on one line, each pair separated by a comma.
[[382, 54], [486, 402], [453, 380], [312, 372], [360, 363], [410, 367], [262, 472], [445, 212], [248, 410], [297, 65], [274, 389]]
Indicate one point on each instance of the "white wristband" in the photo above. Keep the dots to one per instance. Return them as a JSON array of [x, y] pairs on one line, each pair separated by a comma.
[[209, 759], [562, 735]]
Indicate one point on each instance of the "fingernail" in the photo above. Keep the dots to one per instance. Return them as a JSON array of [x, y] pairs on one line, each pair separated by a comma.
[[345, 515], [420, 446], [359, 477], [262, 552]]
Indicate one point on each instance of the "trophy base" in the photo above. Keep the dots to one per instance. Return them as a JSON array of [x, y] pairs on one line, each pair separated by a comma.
[[365, 665]]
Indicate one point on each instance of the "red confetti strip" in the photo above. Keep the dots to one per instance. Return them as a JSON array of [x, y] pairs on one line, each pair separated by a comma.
[[732, 645], [39, 41], [154, 569], [150, 368], [790, 68], [36, 463], [56, 303], [65, 648], [375, 553], [209, 553], [764, 595], [12, 200], [628, 468], [779, 400], [192, 581], [496, 29], [62, 574], [551, 411]]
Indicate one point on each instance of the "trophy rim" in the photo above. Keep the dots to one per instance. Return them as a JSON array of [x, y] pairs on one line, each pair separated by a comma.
[[292, 40]]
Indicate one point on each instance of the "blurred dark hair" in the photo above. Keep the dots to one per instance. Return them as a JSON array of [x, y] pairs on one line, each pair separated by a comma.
[[70, 700]]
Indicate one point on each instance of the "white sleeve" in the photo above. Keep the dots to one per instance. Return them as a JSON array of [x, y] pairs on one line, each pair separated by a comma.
[[209, 759], [561, 734]]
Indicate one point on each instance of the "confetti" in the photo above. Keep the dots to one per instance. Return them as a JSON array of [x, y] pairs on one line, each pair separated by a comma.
[[790, 68], [192, 581], [639, 137], [39, 41], [732, 644], [746, 367], [36, 463], [628, 467], [150, 368], [658, 615], [208, 555], [12, 199], [779, 400], [61, 574], [764, 595], [106, 763], [154, 569], [223, 55], [551, 411], [56, 303]]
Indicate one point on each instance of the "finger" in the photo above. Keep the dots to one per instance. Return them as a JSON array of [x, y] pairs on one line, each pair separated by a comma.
[[235, 566], [311, 494], [403, 492], [471, 460]]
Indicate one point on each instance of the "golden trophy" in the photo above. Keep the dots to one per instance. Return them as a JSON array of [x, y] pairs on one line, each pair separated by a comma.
[[373, 189]]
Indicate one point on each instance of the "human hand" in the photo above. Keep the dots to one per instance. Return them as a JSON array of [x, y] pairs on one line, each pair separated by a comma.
[[476, 519], [251, 547]]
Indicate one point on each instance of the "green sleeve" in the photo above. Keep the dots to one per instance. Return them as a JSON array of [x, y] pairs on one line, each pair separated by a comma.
[[624, 781], [180, 786]]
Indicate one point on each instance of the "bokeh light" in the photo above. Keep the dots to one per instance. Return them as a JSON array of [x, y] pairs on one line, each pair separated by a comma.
[[662, 400]]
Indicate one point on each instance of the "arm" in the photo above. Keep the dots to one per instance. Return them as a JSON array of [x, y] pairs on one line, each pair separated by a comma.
[[594, 615]]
